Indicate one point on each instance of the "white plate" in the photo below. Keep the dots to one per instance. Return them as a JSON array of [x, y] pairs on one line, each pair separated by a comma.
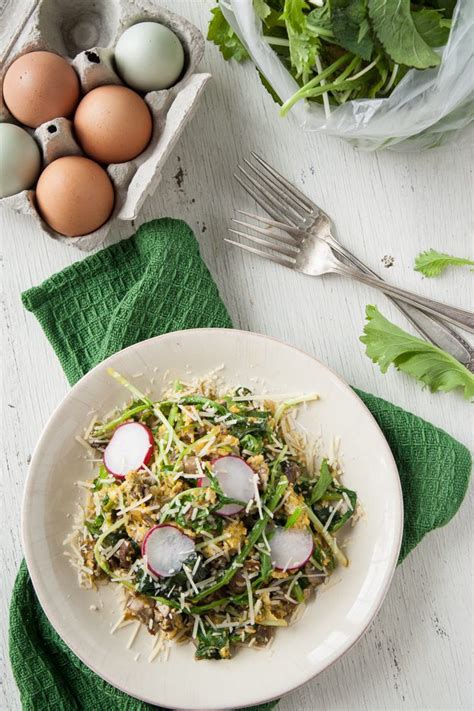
[[333, 622]]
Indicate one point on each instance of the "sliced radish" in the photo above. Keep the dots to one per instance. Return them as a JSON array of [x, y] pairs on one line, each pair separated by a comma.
[[236, 480], [290, 548], [129, 449], [166, 547]]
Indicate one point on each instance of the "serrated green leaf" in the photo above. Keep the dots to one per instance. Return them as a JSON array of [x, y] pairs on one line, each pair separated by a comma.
[[431, 263], [387, 344], [319, 19], [222, 34], [393, 24], [432, 26], [350, 27], [262, 9], [304, 46]]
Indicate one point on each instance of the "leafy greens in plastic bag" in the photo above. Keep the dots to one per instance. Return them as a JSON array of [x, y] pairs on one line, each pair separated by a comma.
[[355, 62]]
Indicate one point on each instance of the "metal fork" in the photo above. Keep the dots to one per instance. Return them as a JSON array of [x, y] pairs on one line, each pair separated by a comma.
[[310, 244]]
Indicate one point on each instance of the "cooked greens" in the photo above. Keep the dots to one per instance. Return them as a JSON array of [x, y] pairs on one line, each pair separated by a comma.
[[229, 588]]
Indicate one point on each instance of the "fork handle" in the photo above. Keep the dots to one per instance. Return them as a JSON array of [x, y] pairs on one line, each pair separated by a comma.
[[459, 317], [438, 332]]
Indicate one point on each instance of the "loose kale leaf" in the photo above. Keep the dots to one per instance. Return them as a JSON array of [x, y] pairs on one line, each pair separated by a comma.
[[222, 34], [432, 26], [431, 263], [387, 344], [393, 24], [351, 28]]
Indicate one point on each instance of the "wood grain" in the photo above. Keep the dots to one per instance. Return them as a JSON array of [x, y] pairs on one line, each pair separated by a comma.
[[416, 654]]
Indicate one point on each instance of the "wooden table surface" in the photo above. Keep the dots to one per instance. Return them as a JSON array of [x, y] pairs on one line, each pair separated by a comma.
[[417, 652]]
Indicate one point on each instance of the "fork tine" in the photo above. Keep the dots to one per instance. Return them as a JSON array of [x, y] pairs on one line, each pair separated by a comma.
[[286, 198], [265, 255], [264, 231], [271, 206], [276, 247], [297, 194], [295, 232]]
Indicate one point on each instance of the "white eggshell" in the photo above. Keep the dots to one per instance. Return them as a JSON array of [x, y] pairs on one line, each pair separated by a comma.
[[20, 160], [149, 56]]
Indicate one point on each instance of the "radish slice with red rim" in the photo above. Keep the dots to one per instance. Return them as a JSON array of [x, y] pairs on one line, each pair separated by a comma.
[[236, 480], [129, 449], [290, 548], [165, 548]]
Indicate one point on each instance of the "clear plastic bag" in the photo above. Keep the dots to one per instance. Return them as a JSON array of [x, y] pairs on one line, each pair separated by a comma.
[[426, 109]]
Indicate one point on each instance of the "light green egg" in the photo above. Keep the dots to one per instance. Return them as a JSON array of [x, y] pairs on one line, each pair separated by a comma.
[[149, 56], [20, 160]]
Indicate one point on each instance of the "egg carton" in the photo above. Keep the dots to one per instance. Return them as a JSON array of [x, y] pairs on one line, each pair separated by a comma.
[[85, 33]]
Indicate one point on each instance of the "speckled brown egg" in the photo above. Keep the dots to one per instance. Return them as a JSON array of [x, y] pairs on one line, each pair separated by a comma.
[[74, 195], [113, 124], [40, 86]]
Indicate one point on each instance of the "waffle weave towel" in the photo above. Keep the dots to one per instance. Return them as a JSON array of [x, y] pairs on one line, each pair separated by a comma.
[[151, 284]]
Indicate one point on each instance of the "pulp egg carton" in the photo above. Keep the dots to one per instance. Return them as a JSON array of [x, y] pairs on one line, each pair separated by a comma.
[[85, 33]]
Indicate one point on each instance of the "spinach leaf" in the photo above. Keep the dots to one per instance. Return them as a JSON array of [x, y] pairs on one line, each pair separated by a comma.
[[94, 527], [393, 24], [432, 26], [212, 644], [98, 482], [325, 479], [351, 28], [252, 444]]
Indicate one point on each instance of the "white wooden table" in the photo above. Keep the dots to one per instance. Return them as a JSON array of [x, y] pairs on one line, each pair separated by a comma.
[[417, 653]]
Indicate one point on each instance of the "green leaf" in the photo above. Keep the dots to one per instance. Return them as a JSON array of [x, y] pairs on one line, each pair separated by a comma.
[[393, 24], [266, 566], [222, 34], [446, 6], [319, 21], [432, 26], [325, 479], [304, 45], [212, 644], [293, 518], [269, 88], [387, 344], [351, 28], [431, 263], [262, 9], [94, 527]]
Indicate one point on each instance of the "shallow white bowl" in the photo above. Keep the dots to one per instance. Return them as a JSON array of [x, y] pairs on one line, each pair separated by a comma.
[[333, 622]]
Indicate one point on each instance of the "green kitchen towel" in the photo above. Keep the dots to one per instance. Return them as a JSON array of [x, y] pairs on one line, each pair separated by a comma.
[[154, 283]]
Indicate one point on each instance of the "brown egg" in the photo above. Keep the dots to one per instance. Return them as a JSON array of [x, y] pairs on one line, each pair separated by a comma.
[[113, 124], [40, 86], [74, 195]]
